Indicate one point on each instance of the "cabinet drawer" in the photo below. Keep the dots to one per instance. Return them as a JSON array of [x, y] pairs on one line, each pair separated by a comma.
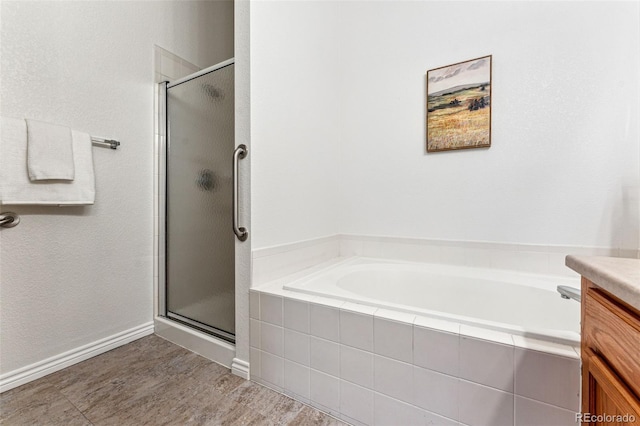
[[613, 332]]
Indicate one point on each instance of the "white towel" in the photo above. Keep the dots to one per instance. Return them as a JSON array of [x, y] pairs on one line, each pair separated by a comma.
[[49, 151], [15, 186]]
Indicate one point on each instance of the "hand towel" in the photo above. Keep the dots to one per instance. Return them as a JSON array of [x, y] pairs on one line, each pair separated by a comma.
[[15, 186], [49, 151]]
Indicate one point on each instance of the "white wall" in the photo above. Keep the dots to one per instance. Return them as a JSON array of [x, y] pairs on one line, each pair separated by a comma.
[[564, 163], [71, 276], [338, 106], [295, 113]]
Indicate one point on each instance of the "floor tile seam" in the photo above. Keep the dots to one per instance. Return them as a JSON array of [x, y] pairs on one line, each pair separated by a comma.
[[104, 418], [59, 397], [74, 406], [21, 408]]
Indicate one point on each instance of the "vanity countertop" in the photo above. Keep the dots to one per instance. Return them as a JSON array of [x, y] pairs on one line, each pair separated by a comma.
[[618, 276]]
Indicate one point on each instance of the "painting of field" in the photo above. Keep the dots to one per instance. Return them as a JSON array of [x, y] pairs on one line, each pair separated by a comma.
[[459, 106]]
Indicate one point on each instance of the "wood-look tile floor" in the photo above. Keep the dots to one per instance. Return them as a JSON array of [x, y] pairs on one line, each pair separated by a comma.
[[151, 382]]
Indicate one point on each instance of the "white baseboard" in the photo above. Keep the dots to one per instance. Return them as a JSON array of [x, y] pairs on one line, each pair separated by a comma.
[[240, 368], [39, 369]]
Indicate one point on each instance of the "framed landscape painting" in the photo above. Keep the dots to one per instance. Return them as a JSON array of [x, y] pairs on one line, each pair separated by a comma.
[[459, 106]]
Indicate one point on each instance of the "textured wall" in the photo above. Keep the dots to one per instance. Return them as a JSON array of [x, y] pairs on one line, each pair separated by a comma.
[[564, 163], [295, 114], [338, 104], [71, 276]]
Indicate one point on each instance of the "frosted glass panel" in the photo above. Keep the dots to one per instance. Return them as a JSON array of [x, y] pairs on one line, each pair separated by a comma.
[[200, 239]]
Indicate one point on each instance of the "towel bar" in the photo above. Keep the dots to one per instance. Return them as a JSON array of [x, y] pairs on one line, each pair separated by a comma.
[[113, 144], [9, 220]]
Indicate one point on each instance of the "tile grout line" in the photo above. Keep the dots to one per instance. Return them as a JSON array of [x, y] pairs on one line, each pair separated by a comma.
[[74, 406]]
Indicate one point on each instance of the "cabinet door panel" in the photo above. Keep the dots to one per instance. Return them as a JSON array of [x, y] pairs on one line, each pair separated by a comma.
[[607, 394]]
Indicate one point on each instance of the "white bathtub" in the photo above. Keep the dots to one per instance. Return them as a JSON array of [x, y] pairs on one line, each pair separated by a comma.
[[516, 303]]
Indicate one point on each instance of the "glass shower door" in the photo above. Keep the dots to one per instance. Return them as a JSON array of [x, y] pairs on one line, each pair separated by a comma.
[[200, 243]]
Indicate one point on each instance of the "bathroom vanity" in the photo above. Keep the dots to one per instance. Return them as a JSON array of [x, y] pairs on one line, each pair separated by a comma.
[[610, 327]]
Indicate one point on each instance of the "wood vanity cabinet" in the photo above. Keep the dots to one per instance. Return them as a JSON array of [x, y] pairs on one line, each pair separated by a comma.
[[610, 358]]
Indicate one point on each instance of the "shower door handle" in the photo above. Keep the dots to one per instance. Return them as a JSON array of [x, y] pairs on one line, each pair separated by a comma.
[[239, 153]]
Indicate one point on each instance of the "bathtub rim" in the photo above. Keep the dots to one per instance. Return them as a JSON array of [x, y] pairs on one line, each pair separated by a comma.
[[534, 280]]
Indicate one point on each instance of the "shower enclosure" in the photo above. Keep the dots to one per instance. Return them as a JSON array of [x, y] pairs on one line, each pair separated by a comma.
[[201, 202]]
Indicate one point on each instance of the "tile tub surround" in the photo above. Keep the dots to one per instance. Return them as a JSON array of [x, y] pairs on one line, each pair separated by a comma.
[[378, 367]]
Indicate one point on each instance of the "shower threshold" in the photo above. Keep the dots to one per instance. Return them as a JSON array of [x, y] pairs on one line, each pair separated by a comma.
[[221, 334], [196, 340]]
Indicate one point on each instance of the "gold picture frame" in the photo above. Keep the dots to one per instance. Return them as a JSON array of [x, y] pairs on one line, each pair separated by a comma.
[[459, 105]]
